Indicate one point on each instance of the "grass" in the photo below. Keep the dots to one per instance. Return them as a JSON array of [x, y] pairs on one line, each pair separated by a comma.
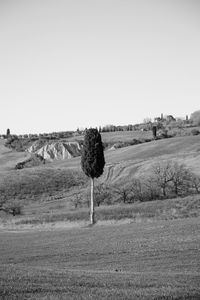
[[9, 158], [172, 146], [119, 136], [158, 260], [148, 211], [39, 183]]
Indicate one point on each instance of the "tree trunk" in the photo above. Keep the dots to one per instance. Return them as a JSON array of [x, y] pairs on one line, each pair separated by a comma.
[[164, 191], [92, 220], [176, 190]]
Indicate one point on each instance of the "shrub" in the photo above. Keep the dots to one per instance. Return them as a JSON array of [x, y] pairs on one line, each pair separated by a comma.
[[163, 133], [195, 131], [123, 193], [35, 160], [195, 182], [16, 143], [103, 194], [13, 207]]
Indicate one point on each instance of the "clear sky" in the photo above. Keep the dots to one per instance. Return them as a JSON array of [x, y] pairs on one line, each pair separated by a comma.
[[79, 63]]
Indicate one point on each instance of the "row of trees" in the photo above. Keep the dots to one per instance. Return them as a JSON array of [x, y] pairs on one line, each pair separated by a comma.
[[33, 137]]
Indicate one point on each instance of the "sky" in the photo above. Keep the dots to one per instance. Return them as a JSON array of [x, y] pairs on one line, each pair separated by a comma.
[[68, 64]]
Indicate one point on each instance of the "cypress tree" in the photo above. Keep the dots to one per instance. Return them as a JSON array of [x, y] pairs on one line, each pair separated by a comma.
[[8, 132], [154, 131], [92, 161]]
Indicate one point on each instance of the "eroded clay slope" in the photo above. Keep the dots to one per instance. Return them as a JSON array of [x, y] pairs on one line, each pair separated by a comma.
[[56, 150]]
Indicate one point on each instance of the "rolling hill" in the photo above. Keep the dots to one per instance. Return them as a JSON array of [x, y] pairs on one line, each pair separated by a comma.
[[61, 178], [134, 160], [9, 158]]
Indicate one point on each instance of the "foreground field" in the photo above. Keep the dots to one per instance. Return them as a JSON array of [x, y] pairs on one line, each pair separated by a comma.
[[153, 260]]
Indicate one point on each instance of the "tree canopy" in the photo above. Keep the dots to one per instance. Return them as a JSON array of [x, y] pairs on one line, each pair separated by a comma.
[[92, 159]]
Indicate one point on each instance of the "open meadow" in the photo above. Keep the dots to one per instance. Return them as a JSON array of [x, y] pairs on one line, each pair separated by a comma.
[[147, 260]]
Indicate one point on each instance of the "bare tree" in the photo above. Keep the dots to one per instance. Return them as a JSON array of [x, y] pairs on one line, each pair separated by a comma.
[[76, 199], [137, 190], [162, 175], [195, 182], [123, 192], [150, 189], [172, 176], [180, 178]]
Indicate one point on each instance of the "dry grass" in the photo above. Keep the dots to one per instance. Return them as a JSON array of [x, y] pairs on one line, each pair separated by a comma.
[[146, 261], [9, 158], [42, 214], [119, 136]]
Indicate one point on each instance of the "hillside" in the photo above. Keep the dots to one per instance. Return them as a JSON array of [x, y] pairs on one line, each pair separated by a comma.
[[124, 163], [9, 158], [61, 179], [135, 160]]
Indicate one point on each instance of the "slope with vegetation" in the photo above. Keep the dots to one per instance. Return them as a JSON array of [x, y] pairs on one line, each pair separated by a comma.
[[126, 179]]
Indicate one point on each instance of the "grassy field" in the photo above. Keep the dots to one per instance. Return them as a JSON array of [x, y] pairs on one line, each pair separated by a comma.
[[137, 251], [9, 158], [55, 214], [154, 260], [119, 136]]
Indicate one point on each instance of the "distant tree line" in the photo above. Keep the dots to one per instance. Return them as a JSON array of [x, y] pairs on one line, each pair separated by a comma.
[[160, 123], [34, 137], [147, 124]]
